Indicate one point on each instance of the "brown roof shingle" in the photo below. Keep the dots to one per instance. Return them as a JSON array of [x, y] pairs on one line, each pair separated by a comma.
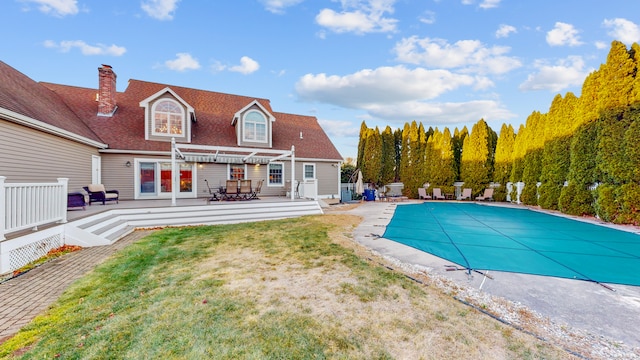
[[214, 112], [75, 109], [20, 94]]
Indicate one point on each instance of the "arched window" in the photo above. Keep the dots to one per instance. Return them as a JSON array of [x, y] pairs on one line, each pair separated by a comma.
[[168, 118], [255, 127]]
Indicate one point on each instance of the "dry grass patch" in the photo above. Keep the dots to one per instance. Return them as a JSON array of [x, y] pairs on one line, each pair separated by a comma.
[[297, 288]]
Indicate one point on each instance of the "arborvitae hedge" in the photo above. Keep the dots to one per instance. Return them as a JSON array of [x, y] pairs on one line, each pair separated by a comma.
[[503, 161], [576, 198]]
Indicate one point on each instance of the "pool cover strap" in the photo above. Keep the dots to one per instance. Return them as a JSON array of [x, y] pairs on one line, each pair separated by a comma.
[[483, 237]]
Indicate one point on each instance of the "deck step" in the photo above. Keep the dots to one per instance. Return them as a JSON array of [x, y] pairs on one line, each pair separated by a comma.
[[114, 224]]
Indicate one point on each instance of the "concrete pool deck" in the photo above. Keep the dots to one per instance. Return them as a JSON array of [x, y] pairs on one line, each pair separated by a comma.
[[585, 306]]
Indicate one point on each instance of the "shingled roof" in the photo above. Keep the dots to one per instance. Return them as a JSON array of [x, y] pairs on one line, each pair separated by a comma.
[[22, 95], [75, 110], [214, 112]]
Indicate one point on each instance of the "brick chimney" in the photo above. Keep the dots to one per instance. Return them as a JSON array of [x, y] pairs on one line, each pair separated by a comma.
[[107, 91]]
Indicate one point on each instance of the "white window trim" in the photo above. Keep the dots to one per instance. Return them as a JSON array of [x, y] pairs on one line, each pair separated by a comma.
[[162, 195], [229, 170], [269, 183], [153, 119], [304, 173], [244, 128]]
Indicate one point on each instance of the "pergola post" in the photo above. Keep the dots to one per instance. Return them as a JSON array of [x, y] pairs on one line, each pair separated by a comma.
[[293, 173], [173, 171]]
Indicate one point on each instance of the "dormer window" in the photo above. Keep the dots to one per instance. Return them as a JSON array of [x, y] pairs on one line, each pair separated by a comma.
[[255, 127], [168, 118]]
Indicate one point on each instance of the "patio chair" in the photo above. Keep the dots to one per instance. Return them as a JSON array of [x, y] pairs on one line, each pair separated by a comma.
[[256, 190], [422, 194], [437, 194], [466, 194], [97, 193], [231, 190], [487, 196], [244, 191]]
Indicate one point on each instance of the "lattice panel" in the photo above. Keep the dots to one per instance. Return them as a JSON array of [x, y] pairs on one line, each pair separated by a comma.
[[32, 252]]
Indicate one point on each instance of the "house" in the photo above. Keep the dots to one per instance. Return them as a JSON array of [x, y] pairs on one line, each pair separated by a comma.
[[124, 139]]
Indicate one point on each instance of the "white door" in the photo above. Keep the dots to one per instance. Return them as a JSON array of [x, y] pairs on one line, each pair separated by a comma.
[[96, 165]]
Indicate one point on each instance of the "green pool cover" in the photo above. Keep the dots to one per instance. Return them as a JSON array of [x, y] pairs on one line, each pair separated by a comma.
[[481, 237]]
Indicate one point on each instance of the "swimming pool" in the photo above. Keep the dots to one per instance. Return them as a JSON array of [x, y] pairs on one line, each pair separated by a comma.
[[486, 237]]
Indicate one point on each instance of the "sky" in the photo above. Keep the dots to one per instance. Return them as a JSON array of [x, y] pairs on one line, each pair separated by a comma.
[[444, 63]]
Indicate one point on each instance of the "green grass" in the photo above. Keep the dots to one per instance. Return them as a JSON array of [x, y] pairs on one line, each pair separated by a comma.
[[215, 293]]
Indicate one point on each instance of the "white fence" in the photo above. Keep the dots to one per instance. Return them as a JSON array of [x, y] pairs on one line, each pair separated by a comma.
[[28, 205]]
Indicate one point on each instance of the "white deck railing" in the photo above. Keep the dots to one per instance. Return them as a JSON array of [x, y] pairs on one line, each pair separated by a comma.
[[29, 205]]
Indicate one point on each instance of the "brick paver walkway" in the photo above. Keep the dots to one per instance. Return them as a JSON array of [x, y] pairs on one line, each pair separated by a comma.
[[26, 296]]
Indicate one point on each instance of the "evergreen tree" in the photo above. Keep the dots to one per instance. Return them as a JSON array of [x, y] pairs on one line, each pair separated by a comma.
[[372, 165], [503, 161], [634, 98], [519, 150], [618, 77], [457, 142], [477, 157], [361, 143], [387, 173], [576, 198], [555, 162], [409, 140], [397, 137], [630, 191], [534, 143], [409, 171], [440, 160], [612, 165]]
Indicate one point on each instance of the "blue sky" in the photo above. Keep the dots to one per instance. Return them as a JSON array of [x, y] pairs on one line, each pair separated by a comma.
[[387, 62]]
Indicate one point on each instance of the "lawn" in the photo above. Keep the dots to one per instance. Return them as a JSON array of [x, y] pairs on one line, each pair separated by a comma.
[[287, 289]]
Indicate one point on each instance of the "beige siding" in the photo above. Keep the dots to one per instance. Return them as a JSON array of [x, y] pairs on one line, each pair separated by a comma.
[[28, 155], [117, 176], [328, 179]]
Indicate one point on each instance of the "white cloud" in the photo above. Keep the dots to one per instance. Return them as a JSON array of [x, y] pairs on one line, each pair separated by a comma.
[[365, 17], [160, 9], [623, 30], [183, 62], [247, 66], [485, 4], [381, 85], [339, 128], [278, 6], [565, 73], [601, 45], [429, 17], [488, 4], [563, 34], [86, 49], [467, 55], [442, 113], [56, 7], [505, 30]]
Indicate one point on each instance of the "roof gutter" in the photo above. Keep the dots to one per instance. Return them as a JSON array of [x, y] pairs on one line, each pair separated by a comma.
[[42, 126]]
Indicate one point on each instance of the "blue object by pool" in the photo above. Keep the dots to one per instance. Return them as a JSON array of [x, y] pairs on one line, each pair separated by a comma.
[[481, 237]]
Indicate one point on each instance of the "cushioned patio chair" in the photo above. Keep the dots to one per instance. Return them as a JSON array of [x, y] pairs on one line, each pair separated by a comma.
[[437, 194], [97, 193], [487, 196], [422, 194], [256, 190], [466, 194]]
